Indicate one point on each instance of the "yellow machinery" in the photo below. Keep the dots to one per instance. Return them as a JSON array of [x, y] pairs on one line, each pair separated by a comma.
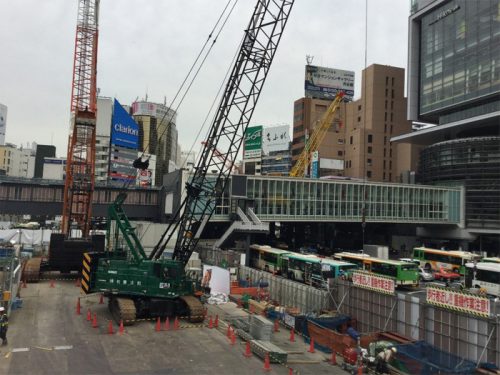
[[314, 141]]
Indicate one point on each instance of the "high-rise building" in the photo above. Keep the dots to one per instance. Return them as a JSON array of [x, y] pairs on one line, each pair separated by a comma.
[[357, 143], [17, 162], [371, 121], [454, 83], [3, 123], [102, 138], [157, 134]]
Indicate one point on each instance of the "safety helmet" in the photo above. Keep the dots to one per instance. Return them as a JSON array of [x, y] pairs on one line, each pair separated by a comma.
[[394, 350], [2, 308]]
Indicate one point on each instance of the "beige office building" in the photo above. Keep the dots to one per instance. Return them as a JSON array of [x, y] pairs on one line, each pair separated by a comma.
[[358, 142]]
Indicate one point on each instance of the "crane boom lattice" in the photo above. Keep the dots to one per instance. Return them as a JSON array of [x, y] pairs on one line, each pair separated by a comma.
[[300, 167], [80, 164], [228, 128]]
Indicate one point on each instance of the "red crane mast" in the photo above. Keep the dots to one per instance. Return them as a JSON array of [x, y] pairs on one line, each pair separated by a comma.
[[80, 164]]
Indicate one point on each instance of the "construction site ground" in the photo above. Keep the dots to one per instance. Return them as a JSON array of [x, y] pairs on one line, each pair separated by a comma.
[[46, 336]]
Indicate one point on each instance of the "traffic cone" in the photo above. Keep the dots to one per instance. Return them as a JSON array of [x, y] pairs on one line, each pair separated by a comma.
[[290, 371], [121, 329], [167, 324], [158, 325], [176, 323], [248, 350], [228, 334], [311, 346], [276, 326], [89, 315], [233, 339], [267, 364], [78, 307], [110, 328], [94, 322], [334, 358], [77, 282], [216, 322], [210, 323], [101, 299], [52, 285], [292, 335]]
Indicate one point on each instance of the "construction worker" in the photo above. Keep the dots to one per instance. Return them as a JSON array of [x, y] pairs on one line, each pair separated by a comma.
[[383, 359], [4, 325]]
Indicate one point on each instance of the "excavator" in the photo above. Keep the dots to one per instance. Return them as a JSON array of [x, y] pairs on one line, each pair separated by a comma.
[[140, 285]]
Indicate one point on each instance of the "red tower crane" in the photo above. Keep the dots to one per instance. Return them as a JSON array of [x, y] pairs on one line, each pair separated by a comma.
[[80, 164]]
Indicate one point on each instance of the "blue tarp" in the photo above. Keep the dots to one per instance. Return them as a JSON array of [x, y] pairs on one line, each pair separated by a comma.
[[423, 358]]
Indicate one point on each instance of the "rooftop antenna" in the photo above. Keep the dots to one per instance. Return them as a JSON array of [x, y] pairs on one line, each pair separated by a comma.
[[309, 59]]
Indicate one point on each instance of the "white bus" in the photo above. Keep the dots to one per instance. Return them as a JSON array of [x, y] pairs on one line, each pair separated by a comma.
[[486, 276]]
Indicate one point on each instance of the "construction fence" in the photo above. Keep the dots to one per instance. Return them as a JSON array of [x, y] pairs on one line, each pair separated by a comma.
[[407, 313], [467, 336]]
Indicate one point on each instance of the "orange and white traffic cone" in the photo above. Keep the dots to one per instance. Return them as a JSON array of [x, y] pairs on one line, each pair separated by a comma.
[[176, 323], [94, 322], [210, 323], [89, 315], [311, 346], [292, 335], [121, 329], [167, 324], [216, 322], [158, 325], [110, 327]]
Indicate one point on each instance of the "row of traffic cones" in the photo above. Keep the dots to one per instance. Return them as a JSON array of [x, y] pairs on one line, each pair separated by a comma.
[[167, 324], [215, 323]]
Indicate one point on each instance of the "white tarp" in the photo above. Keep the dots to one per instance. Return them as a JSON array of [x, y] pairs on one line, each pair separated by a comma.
[[220, 280]]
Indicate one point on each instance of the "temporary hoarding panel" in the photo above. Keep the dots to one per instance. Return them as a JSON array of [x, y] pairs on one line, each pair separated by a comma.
[[372, 282], [253, 142], [325, 83], [276, 139], [124, 130], [458, 301]]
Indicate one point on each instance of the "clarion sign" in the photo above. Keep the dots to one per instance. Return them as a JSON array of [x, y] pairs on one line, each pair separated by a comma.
[[126, 129]]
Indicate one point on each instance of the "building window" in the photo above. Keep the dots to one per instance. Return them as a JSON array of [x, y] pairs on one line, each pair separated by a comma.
[[350, 140], [386, 92], [384, 165], [384, 176], [339, 153], [340, 141], [359, 119], [385, 128], [392, 93], [390, 153], [369, 162], [369, 174], [386, 80], [385, 116], [390, 164], [390, 176], [370, 138], [359, 108], [384, 152], [392, 81], [391, 129], [392, 116], [385, 140], [386, 104], [369, 149], [392, 105]]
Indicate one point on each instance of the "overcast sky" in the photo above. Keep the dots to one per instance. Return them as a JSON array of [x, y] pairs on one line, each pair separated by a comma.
[[146, 46]]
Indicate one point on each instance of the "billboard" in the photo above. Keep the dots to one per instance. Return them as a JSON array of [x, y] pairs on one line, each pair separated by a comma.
[[331, 164], [120, 164], [324, 83], [124, 130], [376, 283], [458, 301], [253, 142], [276, 138], [160, 111], [315, 165]]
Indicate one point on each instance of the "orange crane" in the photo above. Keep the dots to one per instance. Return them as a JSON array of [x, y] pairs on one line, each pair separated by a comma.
[[80, 164]]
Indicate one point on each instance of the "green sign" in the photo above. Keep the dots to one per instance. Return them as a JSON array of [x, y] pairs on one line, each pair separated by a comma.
[[253, 142]]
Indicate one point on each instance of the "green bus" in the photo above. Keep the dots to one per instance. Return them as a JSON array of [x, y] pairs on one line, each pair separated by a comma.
[[266, 258], [403, 273], [313, 270]]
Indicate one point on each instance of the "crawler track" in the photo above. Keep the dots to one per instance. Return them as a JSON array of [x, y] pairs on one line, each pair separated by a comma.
[[122, 309], [195, 308]]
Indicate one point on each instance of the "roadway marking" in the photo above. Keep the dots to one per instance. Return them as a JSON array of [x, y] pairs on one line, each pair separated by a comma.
[[63, 347], [43, 348], [17, 350]]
